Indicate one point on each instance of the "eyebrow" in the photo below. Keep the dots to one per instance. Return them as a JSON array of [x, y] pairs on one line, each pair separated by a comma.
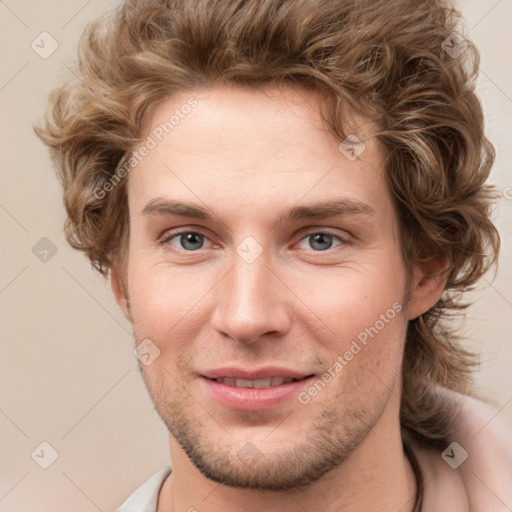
[[330, 208]]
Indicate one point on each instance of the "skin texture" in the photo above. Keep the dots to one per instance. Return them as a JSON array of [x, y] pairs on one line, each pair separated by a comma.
[[248, 155]]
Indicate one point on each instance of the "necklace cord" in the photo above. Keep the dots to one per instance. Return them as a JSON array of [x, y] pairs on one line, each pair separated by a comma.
[[418, 502]]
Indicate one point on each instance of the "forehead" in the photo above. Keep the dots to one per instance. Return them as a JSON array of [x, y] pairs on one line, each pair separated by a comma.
[[252, 148]]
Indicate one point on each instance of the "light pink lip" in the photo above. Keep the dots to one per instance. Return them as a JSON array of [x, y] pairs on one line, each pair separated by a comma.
[[254, 374], [254, 399]]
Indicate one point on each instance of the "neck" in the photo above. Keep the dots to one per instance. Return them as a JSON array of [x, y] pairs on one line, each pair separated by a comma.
[[376, 476]]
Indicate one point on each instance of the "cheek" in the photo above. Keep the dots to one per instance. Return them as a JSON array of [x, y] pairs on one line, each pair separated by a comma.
[[336, 305], [168, 305], [349, 302]]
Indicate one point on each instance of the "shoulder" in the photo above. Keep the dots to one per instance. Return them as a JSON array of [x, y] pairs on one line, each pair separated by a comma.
[[482, 445], [145, 497], [483, 426]]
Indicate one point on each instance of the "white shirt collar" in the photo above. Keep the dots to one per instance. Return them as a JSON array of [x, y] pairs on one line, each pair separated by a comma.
[[145, 497]]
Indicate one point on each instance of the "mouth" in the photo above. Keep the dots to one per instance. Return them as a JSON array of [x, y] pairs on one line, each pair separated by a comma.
[[254, 390], [269, 382]]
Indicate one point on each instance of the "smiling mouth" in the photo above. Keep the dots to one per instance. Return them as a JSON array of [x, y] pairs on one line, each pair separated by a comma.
[[256, 390], [257, 383]]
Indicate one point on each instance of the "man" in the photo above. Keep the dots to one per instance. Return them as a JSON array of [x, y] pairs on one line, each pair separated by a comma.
[[289, 196]]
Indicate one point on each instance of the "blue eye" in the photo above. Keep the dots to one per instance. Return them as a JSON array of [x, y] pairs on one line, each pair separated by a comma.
[[188, 240], [321, 241], [191, 241]]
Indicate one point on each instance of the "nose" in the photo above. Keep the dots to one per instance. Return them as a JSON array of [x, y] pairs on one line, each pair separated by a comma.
[[251, 302]]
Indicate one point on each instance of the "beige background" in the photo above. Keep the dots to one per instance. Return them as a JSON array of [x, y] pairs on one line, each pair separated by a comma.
[[67, 372]]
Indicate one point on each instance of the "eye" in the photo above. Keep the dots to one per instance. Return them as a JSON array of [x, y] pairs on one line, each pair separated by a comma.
[[188, 240], [191, 241], [322, 241]]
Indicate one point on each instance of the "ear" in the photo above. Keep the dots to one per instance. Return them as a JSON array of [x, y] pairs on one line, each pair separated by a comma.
[[429, 282], [120, 293]]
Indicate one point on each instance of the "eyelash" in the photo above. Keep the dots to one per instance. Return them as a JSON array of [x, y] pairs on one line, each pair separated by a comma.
[[173, 234]]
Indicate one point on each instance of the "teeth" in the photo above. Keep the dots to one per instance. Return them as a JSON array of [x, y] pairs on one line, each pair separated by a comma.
[[258, 383], [242, 383]]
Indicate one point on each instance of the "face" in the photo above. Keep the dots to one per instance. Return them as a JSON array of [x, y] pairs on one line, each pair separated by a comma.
[[237, 272]]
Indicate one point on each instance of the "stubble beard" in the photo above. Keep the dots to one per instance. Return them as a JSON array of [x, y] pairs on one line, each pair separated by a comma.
[[327, 441]]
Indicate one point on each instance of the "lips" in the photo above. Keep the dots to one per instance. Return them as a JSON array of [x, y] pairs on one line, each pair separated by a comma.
[[254, 390]]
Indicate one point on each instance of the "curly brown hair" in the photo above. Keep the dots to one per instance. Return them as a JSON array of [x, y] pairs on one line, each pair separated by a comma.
[[388, 60]]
